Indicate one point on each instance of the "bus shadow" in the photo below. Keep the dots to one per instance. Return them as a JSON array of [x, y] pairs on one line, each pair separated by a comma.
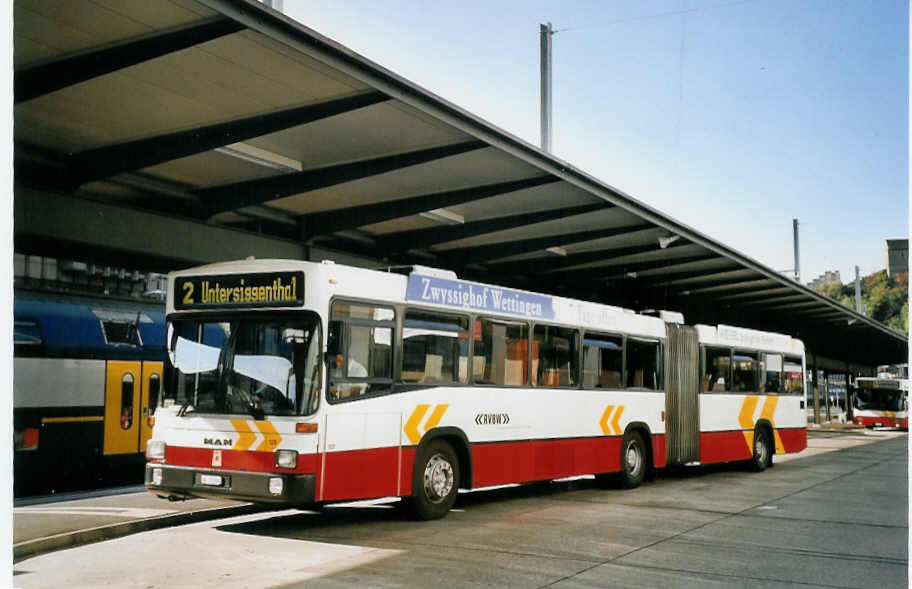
[[380, 518]]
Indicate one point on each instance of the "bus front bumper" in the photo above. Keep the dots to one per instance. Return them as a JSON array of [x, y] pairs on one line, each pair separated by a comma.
[[181, 482]]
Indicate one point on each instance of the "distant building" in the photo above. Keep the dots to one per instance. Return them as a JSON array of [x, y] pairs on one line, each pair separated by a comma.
[[897, 256], [828, 277]]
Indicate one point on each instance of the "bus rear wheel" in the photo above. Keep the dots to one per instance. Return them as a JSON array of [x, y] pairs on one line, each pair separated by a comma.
[[435, 481], [763, 453], [633, 460]]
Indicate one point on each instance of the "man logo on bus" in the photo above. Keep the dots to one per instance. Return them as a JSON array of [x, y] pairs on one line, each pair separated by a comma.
[[217, 442]]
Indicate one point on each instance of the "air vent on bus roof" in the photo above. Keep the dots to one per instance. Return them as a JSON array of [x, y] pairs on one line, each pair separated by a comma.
[[435, 272]]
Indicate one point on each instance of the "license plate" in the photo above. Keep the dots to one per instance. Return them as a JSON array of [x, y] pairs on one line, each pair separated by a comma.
[[211, 480]]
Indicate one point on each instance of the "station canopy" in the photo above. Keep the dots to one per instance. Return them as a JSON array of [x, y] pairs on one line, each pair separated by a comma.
[[172, 133]]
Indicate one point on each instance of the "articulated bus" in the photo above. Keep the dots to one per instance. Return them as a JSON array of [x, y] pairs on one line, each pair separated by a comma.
[[303, 383], [882, 401]]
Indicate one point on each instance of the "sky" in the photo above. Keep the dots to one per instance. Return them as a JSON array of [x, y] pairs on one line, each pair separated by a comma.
[[732, 117]]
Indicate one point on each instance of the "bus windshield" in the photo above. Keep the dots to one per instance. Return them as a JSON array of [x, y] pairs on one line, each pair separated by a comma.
[[880, 399], [245, 365]]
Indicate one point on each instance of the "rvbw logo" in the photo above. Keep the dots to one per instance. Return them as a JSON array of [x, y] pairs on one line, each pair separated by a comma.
[[492, 418]]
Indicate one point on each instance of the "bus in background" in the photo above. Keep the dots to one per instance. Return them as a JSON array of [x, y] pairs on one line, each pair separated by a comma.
[[882, 401], [303, 383]]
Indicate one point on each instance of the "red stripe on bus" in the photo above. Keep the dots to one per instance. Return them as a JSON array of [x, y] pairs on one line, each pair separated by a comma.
[[247, 460], [729, 446], [794, 440]]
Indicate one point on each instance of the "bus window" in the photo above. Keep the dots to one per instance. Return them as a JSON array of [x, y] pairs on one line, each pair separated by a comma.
[[772, 370], [503, 348], [434, 347], [361, 350], [717, 372], [642, 364], [555, 357], [793, 377], [745, 372], [603, 357]]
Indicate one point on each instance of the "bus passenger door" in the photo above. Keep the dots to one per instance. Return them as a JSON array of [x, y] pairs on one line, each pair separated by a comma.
[[149, 399], [122, 404], [361, 456], [682, 394]]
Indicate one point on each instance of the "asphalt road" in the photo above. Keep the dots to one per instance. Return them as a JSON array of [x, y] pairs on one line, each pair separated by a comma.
[[826, 519]]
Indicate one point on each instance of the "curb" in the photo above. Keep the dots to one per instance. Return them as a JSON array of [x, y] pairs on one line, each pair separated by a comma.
[[38, 546]]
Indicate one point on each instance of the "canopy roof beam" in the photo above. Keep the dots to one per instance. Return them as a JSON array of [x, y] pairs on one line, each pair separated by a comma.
[[359, 216], [45, 78], [103, 162], [442, 234], [228, 197]]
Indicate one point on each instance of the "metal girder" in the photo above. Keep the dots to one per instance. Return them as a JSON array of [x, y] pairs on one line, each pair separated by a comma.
[[726, 286], [349, 218], [726, 275], [692, 280], [241, 194], [523, 246], [775, 300], [443, 234], [776, 307], [559, 263], [43, 79], [631, 268], [759, 294], [103, 162]]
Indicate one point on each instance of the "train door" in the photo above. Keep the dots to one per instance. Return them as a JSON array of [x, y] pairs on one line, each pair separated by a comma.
[[149, 396], [122, 401]]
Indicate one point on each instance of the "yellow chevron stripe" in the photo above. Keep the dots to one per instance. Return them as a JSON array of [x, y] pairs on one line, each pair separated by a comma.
[[603, 422], [435, 417], [246, 438], [271, 437], [769, 409], [411, 426], [746, 420]]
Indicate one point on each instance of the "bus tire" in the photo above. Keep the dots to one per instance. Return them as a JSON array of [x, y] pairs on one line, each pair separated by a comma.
[[435, 481], [633, 460], [763, 453]]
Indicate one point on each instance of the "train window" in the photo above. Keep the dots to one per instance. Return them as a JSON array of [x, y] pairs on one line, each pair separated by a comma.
[[642, 364], [126, 401], [745, 372], [121, 332], [26, 333], [501, 351], [154, 390], [772, 370], [555, 356], [434, 347], [603, 361], [717, 371]]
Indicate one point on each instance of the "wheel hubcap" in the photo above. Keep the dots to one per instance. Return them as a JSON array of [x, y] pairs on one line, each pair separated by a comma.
[[634, 459], [760, 448], [438, 478]]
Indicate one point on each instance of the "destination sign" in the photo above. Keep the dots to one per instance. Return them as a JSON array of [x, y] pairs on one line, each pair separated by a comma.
[[478, 297], [272, 289]]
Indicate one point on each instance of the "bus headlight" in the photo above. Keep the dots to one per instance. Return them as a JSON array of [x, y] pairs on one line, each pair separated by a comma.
[[155, 450], [286, 458]]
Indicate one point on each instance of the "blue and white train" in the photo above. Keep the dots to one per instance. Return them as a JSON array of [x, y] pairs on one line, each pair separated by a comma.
[[86, 373]]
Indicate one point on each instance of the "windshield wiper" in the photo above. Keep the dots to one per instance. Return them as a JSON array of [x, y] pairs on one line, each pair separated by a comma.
[[183, 409]]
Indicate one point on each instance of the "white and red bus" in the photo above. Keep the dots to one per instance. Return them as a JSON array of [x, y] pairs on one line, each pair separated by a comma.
[[305, 383], [882, 401]]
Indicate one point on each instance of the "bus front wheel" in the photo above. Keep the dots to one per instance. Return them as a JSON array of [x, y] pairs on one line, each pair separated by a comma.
[[435, 481]]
